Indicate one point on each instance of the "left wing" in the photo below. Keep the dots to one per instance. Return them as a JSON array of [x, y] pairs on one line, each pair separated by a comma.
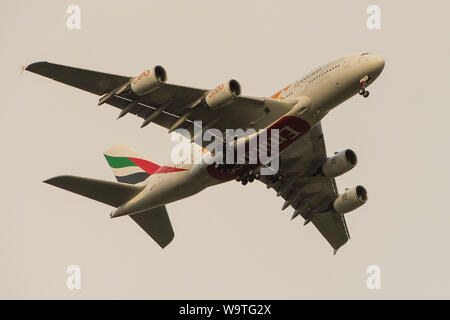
[[310, 194], [170, 105]]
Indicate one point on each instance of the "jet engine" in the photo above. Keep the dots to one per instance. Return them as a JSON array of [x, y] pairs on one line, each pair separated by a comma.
[[223, 94], [148, 81], [340, 163], [350, 200]]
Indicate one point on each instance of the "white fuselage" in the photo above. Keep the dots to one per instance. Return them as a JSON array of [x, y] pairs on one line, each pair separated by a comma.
[[325, 87]]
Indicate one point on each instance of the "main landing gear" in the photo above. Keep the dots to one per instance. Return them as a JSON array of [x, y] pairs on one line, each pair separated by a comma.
[[364, 83], [249, 176]]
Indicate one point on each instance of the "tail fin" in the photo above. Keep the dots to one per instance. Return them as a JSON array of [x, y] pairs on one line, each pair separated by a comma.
[[128, 165], [131, 167], [155, 222]]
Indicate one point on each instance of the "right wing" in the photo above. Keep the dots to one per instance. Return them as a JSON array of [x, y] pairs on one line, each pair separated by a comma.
[[244, 112]]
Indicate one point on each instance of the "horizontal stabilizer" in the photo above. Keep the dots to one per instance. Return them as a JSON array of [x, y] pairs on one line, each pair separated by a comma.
[[156, 223], [111, 193]]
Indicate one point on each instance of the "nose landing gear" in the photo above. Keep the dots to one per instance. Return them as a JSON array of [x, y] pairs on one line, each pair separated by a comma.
[[364, 92], [364, 83]]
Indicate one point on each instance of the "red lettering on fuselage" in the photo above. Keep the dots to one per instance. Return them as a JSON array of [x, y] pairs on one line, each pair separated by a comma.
[[291, 128]]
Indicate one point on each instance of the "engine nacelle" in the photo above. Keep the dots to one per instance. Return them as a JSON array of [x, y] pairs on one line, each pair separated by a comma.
[[350, 200], [340, 163], [223, 94], [149, 80]]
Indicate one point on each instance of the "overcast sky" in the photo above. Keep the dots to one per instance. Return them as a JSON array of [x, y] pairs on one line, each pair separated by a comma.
[[230, 241]]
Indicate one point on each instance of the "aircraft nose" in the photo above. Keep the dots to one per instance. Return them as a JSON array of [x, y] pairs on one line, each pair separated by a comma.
[[378, 62], [374, 65]]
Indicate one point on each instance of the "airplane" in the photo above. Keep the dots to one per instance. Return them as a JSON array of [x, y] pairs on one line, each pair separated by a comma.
[[305, 178]]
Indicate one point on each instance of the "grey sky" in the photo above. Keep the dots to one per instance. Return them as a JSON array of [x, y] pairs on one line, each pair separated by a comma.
[[230, 241]]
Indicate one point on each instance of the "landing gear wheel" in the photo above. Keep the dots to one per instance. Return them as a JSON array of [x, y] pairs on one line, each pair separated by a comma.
[[365, 94], [238, 178], [244, 182], [362, 91], [251, 179]]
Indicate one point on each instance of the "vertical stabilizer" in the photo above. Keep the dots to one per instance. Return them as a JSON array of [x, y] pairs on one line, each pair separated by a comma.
[[128, 165]]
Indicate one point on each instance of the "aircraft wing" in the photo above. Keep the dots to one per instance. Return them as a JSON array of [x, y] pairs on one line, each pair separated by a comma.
[[243, 112], [310, 194]]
